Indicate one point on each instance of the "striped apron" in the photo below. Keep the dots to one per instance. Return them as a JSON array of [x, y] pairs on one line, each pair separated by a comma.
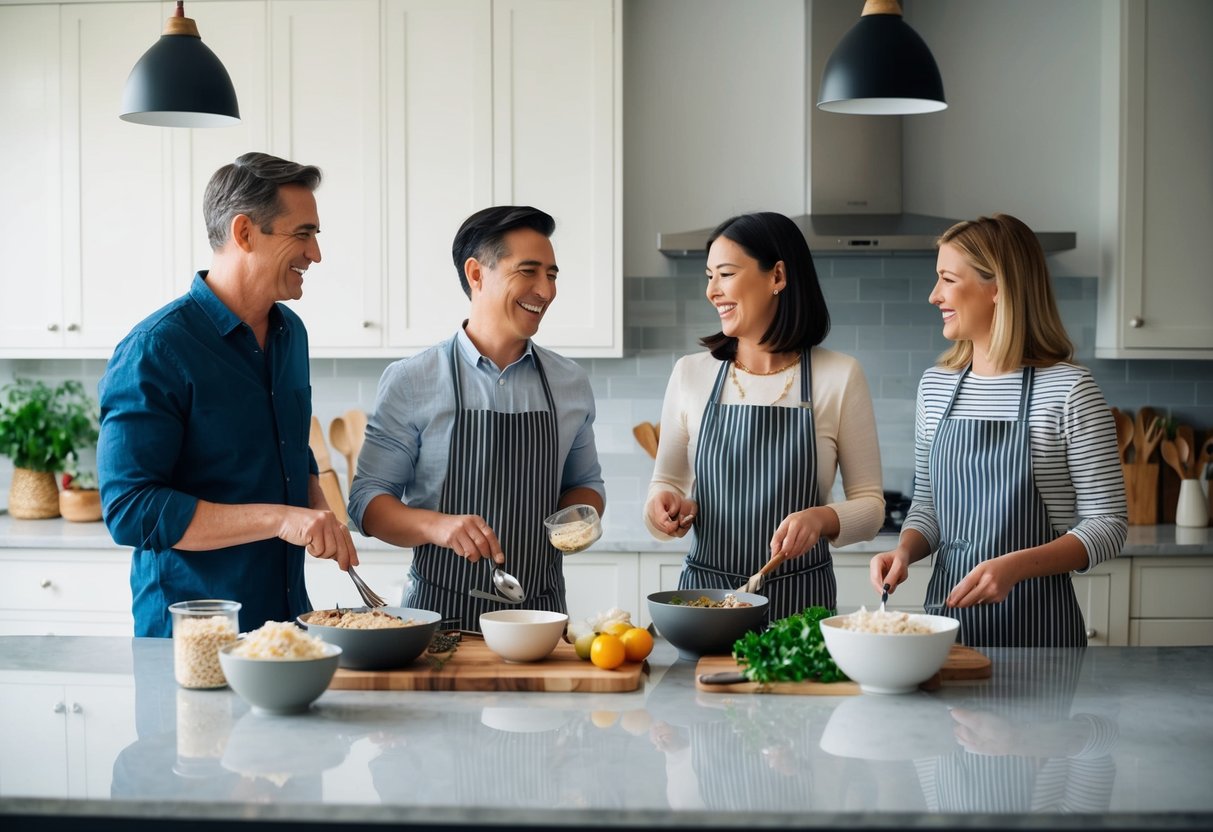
[[988, 505], [502, 467], [756, 465]]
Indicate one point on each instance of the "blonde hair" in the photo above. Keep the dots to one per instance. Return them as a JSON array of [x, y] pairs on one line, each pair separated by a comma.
[[1027, 329]]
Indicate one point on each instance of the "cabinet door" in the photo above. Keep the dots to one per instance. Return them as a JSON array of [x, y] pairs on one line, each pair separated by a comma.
[[439, 156], [1159, 307], [659, 572], [326, 111], [31, 297], [32, 721], [100, 723], [556, 147], [595, 583], [237, 32], [117, 211], [1103, 596]]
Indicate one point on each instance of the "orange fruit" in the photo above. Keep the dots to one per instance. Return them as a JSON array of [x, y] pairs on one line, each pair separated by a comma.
[[607, 652], [637, 644]]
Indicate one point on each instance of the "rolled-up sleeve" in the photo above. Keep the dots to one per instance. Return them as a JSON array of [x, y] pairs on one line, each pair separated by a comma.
[[581, 467], [143, 418]]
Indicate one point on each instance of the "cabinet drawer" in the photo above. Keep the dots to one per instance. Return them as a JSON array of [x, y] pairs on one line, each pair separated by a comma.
[[83, 582], [1172, 588], [1179, 632]]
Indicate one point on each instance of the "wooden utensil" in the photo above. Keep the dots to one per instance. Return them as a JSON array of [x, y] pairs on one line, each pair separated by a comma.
[[1147, 433], [1187, 459], [1124, 433], [1171, 455], [329, 484], [756, 580], [647, 435], [355, 424], [339, 436]]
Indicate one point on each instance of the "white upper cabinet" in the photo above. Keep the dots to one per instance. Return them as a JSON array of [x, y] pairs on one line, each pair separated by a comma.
[[1158, 171], [326, 110], [557, 134], [418, 112], [439, 78]]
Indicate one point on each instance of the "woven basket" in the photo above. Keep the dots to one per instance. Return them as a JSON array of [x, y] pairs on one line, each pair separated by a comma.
[[34, 495]]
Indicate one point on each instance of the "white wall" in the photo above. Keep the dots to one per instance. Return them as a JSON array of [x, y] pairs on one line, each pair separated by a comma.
[[1021, 131], [719, 115]]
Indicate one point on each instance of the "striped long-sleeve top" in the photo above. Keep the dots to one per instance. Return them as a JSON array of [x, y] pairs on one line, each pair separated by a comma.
[[1073, 444]]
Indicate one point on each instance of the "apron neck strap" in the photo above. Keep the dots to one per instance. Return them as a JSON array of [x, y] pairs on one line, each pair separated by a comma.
[[1025, 392]]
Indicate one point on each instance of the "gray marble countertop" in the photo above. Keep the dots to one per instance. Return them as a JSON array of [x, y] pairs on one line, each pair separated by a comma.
[[61, 534], [1056, 739]]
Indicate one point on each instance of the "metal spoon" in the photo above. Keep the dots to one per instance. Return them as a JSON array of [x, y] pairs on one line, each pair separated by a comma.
[[509, 591], [884, 596]]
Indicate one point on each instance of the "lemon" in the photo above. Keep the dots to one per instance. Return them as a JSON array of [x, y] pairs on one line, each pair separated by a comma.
[[615, 628], [583, 644], [637, 644]]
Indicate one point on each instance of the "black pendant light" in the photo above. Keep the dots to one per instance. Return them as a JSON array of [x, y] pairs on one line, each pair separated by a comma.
[[179, 82], [881, 67]]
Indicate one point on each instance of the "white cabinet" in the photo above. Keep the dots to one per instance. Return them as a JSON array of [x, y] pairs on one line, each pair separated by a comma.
[[92, 231], [1157, 169], [91, 724], [1169, 601], [557, 132], [595, 583], [1103, 597], [65, 592]]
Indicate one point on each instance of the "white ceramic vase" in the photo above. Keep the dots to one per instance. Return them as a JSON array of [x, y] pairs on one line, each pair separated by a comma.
[[1192, 509]]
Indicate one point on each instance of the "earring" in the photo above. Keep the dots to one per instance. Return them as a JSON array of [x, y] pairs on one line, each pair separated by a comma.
[[776, 292]]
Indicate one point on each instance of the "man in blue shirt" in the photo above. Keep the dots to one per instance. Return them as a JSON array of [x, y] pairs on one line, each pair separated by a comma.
[[206, 407], [476, 440]]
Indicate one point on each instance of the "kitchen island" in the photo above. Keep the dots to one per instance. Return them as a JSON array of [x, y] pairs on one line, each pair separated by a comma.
[[97, 735]]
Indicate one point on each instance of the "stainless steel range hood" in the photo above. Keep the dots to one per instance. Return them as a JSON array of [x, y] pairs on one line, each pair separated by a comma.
[[853, 187]]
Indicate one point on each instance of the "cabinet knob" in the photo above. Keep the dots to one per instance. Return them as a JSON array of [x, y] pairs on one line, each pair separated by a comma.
[[45, 583], [367, 324], [73, 327], [1136, 322], [76, 709], [1092, 632], [60, 708], [52, 327]]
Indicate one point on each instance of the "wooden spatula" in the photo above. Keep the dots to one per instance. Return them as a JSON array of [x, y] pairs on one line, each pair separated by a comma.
[[329, 483]]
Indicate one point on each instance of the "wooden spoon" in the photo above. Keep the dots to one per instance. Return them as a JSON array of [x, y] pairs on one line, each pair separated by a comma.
[[355, 423], [1124, 433], [646, 435], [339, 436], [315, 441], [1170, 455], [1186, 458]]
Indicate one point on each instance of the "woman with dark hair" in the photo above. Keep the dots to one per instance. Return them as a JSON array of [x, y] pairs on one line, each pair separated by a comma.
[[757, 427], [1017, 479]]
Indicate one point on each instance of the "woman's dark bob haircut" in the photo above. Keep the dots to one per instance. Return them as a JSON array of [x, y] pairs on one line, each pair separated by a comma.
[[801, 318]]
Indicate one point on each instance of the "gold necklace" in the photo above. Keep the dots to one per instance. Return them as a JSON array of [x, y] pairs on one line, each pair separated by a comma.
[[746, 369], [786, 387]]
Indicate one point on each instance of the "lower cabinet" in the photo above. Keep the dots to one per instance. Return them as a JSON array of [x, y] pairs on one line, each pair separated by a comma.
[[80, 762], [84, 592], [1169, 603]]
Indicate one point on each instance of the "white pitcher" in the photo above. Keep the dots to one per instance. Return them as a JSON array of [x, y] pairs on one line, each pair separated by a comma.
[[1192, 509]]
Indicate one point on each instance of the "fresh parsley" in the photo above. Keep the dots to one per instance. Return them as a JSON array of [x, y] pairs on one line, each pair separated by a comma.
[[792, 649]]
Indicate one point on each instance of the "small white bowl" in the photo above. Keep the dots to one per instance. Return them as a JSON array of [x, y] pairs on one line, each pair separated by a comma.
[[522, 635], [279, 686], [574, 529], [890, 662]]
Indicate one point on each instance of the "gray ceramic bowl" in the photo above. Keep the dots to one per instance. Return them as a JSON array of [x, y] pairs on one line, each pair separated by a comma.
[[279, 686], [379, 649], [705, 631]]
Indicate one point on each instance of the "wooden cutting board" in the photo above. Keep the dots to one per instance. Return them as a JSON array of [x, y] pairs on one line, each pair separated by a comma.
[[963, 663], [473, 666]]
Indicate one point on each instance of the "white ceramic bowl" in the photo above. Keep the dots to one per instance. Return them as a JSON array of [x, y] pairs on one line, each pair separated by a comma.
[[279, 686], [522, 635], [574, 529], [890, 662]]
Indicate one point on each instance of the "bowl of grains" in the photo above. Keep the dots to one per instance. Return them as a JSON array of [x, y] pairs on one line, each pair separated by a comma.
[[706, 622], [200, 628], [574, 529], [278, 668], [889, 652], [374, 638]]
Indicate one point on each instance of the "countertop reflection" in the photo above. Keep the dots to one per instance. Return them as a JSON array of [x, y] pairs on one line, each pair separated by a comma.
[[1073, 734]]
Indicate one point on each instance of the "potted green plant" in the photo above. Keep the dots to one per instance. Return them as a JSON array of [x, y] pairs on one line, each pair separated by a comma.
[[41, 427]]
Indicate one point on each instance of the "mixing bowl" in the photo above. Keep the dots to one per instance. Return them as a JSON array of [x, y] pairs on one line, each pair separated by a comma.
[[890, 662], [705, 631], [383, 649], [522, 635]]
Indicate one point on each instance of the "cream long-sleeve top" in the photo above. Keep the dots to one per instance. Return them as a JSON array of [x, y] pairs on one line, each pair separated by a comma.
[[845, 422]]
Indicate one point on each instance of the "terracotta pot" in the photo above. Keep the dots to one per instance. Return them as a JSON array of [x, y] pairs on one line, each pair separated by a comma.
[[33, 495], [80, 505]]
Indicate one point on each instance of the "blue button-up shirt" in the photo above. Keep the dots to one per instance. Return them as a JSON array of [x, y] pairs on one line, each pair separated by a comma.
[[193, 409], [408, 438]]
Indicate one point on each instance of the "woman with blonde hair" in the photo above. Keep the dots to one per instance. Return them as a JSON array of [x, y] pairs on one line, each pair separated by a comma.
[[1017, 479]]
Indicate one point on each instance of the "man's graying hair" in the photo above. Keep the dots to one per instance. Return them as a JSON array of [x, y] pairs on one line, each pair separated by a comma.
[[249, 186]]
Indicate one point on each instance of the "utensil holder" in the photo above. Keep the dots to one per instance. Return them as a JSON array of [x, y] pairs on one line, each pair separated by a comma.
[[1141, 492], [1191, 510]]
